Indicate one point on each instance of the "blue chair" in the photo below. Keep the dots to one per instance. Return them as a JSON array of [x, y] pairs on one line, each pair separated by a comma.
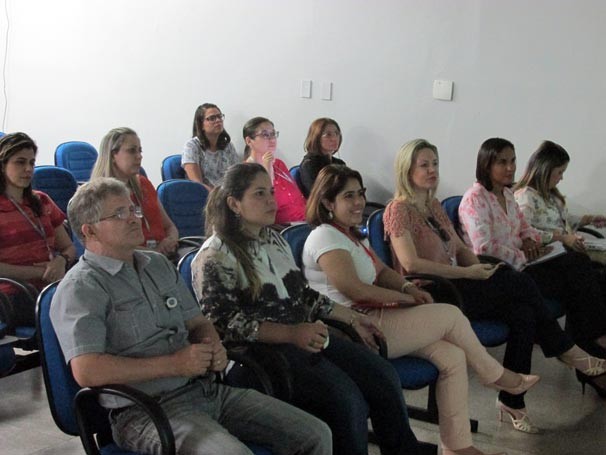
[[57, 182], [171, 168], [76, 410], [414, 373], [295, 173], [451, 207], [184, 202], [77, 157]]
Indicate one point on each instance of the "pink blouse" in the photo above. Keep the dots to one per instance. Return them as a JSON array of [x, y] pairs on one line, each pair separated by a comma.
[[401, 216], [488, 229], [290, 200]]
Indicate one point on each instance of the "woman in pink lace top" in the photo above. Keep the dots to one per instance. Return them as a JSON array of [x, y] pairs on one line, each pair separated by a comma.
[[423, 240], [494, 224]]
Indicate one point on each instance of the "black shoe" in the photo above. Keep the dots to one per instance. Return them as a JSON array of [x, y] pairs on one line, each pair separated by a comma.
[[591, 380]]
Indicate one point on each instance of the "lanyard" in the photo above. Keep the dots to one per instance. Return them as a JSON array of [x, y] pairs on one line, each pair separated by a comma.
[[355, 241], [37, 227]]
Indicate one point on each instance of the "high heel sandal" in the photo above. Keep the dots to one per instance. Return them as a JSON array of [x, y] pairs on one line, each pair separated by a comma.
[[586, 379], [527, 381], [595, 366], [521, 423]]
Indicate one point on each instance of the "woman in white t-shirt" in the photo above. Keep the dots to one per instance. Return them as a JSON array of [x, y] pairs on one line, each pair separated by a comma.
[[341, 265], [208, 154]]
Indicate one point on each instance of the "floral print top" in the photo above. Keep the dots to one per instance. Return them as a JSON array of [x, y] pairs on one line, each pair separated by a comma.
[[490, 230], [545, 215], [401, 216], [223, 291]]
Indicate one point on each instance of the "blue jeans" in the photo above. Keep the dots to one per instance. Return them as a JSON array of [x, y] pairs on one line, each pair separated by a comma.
[[211, 418], [345, 385]]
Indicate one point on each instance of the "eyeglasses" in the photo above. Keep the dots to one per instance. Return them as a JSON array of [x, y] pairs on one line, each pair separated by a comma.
[[331, 134], [435, 226], [267, 135], [123, 213], [215, 118]]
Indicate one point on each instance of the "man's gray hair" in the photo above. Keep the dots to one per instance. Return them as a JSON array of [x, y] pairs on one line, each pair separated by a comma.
[[86, 205]]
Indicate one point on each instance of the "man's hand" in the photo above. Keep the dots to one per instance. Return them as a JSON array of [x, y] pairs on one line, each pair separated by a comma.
[[194, 360], [219, 361]]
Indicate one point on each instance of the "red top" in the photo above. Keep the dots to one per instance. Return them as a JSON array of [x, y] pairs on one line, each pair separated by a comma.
[[20, 243], [290, 200], [152, 215]]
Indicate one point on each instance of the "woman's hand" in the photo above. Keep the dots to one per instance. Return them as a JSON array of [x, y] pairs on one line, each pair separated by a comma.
[[531, 249], [421, 297], [53, 270], [598, 221], [167, 246], [574, 242], [268, 160], [367, 330], [309, 336], [481, 271]]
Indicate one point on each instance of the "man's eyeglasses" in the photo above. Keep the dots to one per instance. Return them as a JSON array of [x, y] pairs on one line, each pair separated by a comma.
[[215, 118], [331, 134], [123, 213], [267, 135], [435, 226]]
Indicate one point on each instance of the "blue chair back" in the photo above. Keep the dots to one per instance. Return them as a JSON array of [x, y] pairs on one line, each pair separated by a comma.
[[142, 172], [295, 173], [376, 236], [451, 207], [171, 168], [184, 268], [77, 157], [57, 182], [184, 202], [296, 235]]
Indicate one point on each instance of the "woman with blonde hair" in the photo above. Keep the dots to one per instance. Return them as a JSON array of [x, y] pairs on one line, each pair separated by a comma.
[[423, 240], [120, 155]]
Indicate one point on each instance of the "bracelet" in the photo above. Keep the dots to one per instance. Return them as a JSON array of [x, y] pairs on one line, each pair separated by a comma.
[[353, 317], [407, 284]]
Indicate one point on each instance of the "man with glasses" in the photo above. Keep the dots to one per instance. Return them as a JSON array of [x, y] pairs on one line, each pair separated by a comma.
[[126, 316]]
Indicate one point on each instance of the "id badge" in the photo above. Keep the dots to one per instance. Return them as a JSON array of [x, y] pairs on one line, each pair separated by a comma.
[[151, 244]]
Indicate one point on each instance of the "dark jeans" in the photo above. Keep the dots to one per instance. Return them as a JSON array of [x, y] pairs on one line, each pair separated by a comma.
[[345, 385], [513, 297], [573, 280]]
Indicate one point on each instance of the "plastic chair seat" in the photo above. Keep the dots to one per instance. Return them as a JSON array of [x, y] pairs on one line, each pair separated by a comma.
[[415, 373], [490, 333]]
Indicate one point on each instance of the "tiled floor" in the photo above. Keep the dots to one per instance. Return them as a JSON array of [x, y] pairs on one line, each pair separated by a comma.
[[574, 424]]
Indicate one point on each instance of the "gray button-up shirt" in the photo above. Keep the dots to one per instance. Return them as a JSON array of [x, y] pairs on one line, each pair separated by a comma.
[[104, 305]]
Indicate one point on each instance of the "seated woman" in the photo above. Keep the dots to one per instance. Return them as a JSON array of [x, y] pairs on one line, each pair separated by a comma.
[[120, 157], [261, 140], [208, 154], [246, 281], [341, 265], [34, 245], [423, 240], [323, 140], [494, 225], [544, 207]]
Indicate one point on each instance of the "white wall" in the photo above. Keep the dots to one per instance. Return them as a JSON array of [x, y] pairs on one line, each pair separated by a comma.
[[523, 70]]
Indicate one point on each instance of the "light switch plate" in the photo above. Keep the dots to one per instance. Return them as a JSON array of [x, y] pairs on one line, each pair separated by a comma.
[[442, 90], [305, 88]]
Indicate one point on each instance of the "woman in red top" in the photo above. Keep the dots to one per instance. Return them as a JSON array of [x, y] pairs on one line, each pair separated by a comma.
[[120, 157], [34, 245], [261, 140]]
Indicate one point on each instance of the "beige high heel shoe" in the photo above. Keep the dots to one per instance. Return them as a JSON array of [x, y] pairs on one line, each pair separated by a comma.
[[527, 381], [595, 366], [519, 419]]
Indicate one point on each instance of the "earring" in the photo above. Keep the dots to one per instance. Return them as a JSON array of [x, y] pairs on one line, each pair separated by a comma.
[[330, 215], [237, 216]]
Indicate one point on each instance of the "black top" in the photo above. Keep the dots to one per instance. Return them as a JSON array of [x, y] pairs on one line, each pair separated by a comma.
[[311, 166]]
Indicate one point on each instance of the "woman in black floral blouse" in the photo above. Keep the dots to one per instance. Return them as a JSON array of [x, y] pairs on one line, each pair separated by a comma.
[[247, 282]]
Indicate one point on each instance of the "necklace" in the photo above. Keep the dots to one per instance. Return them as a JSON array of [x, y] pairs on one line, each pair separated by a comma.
[[433, 224]]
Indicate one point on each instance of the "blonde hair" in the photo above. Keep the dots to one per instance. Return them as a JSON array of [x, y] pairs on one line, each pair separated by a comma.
[[405, 159], [110, 145]]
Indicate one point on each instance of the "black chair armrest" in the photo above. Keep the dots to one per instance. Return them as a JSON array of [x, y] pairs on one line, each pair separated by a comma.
[[87, 399], [590, 231], [355, 336], [26, 288], [242, 355], [192, 240], [444, 287]]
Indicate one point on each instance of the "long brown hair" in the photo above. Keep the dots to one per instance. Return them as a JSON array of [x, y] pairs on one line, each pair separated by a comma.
[[313, 140], [223, 222], [198, 128], [10, 144]]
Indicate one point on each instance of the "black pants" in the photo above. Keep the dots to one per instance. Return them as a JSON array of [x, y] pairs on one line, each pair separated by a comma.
[[513, 297], [573, 281], [344, 386]]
